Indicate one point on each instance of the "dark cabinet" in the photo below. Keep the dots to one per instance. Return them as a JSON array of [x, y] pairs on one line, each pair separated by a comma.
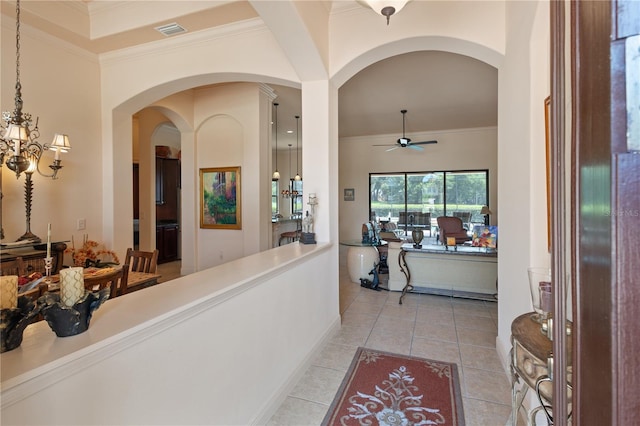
[[167, 208], [167, 188], [167, 242]]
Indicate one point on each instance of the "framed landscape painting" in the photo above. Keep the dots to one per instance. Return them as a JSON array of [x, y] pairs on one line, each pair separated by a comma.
[[220, 198]]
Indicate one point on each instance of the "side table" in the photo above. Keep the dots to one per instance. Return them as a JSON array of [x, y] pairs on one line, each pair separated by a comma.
[[361, 258], [531, 361]]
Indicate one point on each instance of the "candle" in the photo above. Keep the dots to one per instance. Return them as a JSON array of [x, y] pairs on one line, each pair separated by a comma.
[[16, 147], [9, 292], [57, 155], [49, 240], [71, 285]]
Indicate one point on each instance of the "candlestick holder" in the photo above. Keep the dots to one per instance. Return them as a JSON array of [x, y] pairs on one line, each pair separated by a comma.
[[47, 268], [13, 321], [71, 320]]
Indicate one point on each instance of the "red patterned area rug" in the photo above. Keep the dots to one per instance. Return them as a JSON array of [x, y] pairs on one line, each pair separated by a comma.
[[382, 388]]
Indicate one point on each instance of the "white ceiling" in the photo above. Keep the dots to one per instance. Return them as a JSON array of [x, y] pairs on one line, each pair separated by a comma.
[[440, 90]]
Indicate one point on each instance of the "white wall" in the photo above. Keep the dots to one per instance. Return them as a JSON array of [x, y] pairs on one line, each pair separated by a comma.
[[462, 149], [228, 123], [523, 86]]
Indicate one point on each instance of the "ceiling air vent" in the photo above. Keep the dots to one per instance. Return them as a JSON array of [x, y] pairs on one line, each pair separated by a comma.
[[171, 29]]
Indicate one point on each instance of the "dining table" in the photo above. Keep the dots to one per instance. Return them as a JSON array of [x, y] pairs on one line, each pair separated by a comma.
[[136, 280]]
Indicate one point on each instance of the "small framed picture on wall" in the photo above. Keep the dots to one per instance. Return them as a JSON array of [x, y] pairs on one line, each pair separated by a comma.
[[349, 194]]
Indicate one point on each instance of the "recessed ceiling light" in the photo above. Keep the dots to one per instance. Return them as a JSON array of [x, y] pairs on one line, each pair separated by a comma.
[[289, 131], [171, 29]]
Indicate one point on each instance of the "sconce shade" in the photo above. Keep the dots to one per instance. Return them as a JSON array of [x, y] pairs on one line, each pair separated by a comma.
[[485, 210], [60, 143], [15, 132]]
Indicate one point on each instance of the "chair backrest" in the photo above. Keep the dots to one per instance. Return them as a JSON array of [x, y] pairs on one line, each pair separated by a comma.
[[402, 218], [116, 280], [450, 224], [452, 227], [142, 261], [423, 219], [13, 267]]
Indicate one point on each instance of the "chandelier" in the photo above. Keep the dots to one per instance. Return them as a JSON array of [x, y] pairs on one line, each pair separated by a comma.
[[19, 141], [291, 191]]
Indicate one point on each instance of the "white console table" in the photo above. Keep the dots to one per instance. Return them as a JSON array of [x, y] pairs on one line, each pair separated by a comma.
[[461, 271]]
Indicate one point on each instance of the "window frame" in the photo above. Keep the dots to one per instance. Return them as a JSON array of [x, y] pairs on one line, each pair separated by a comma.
[[445, 209]]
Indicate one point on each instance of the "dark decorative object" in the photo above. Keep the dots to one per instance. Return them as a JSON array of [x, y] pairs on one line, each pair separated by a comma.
[[367, 283], [71, 320], [417, 235], [308, 238], [14, 321]]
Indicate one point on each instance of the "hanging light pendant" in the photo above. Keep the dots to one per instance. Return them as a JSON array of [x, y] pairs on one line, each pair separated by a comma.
[[276, 174], [298, 177], [385, 7], [287, 193]]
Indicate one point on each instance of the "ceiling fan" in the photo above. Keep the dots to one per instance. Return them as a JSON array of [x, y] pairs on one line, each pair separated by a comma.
[[405, 142]]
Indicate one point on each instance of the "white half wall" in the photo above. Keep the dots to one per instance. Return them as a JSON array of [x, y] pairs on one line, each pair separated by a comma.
[[220, 346]]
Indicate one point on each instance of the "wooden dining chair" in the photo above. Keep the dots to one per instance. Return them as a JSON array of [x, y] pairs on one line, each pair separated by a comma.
[[13, 267], [116, 280], [142, 261]]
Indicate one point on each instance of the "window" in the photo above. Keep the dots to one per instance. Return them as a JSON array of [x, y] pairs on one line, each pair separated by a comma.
[[399, 197], [274, 197], [296, 201]]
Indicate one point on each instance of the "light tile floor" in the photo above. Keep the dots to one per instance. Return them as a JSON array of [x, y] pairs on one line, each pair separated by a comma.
[[435, 327]]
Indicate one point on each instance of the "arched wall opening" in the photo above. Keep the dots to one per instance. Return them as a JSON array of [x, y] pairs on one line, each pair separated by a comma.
[[120, 119]]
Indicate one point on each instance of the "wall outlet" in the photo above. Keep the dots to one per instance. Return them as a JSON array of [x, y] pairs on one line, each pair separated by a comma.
[[81, 224]]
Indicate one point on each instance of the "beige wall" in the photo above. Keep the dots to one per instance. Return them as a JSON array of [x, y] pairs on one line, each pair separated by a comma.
[[61, 86]]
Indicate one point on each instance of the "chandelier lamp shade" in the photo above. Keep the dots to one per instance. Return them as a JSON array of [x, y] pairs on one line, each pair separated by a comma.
[[276, 173], [297, 177], [20, 149], [385, 8]]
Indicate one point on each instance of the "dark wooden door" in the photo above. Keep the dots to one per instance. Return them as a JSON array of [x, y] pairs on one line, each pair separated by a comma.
[[605, 217]]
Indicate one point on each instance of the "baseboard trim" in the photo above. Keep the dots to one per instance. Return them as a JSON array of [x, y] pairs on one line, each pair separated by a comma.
[[278, 398]]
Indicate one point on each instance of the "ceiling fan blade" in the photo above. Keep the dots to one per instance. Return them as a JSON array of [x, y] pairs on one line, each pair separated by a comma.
[[385, 144], [423, 142], [417, 148], [391, 149]]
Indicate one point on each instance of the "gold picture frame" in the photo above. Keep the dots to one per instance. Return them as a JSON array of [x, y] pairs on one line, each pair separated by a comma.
[[220, 198]]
